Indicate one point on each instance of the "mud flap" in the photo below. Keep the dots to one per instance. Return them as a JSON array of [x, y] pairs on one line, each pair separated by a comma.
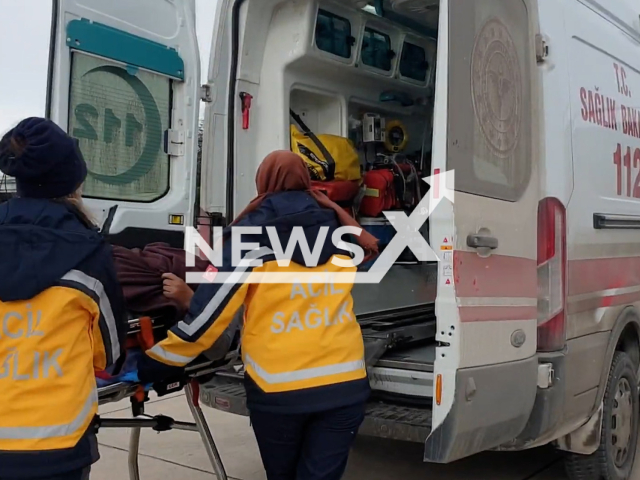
[[491, 407]]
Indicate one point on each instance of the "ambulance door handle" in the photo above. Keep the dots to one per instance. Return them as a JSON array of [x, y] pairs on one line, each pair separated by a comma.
[[482, 241]]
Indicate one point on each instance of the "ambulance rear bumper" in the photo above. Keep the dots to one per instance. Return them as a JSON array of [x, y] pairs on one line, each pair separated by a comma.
[[383, 419], [492, 406]]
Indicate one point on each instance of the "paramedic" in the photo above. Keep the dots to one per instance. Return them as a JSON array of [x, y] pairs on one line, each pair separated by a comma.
[[306, 380], [61, 309]]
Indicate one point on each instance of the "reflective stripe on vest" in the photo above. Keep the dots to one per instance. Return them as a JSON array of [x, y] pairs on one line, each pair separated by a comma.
[[95, 286], [52, 431], [160, 352], [223, 292], [306, 374]]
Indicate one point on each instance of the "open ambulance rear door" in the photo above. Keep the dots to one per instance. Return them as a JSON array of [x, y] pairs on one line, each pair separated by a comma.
[[124, 80], [486, 133], [223, 180], [229, 160]]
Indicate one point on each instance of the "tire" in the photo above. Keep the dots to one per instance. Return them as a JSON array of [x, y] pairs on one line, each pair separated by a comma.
[[615, 457]]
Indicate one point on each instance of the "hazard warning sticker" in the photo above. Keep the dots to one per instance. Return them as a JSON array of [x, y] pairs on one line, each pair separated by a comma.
[[446, 272], [446, 275]]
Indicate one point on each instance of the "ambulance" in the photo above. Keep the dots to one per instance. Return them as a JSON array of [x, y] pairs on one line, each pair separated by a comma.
[[7, 187], [526, 330]]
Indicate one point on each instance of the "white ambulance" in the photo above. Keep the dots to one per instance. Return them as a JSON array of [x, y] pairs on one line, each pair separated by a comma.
[[7, 187], [526, 333]]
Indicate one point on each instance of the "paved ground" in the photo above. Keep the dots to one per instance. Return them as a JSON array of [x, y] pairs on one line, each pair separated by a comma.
[[180, 455]]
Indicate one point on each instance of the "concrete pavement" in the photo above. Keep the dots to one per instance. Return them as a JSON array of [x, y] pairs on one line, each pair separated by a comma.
[[181, 455]]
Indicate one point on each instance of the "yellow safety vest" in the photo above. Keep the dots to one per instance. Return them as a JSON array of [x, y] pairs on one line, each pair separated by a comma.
[[295, 335], [49, 348]]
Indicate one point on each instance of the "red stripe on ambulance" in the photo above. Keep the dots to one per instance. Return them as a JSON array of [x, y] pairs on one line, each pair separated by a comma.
[[496, 276]]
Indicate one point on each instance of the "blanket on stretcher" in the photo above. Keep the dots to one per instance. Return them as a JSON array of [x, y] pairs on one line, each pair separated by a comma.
[[128, 374], [140, 273]]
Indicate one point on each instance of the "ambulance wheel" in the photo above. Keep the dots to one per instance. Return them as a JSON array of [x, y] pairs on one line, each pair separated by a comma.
[[615, 458]]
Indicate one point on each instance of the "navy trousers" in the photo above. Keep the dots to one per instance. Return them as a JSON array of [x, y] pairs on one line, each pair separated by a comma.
[[307, 446]]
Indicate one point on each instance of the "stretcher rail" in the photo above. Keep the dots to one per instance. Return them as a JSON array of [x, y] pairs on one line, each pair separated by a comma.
[[119, 391]]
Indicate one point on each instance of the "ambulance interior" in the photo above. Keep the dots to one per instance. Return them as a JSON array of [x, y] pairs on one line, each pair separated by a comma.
[[363, 71], [383, 103]]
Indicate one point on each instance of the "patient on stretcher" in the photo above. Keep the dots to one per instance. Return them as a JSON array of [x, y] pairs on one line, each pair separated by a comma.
[[152, 280], [153, 284]]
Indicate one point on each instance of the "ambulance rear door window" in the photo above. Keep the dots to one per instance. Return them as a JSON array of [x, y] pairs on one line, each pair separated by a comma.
[[119, 117], [490, 110]]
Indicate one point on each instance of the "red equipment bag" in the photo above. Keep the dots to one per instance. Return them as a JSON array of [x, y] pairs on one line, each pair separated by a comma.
[[380, 194], [338, 191], [342, 192]]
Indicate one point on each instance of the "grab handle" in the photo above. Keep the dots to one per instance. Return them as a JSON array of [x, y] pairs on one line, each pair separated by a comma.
[[482, 241]]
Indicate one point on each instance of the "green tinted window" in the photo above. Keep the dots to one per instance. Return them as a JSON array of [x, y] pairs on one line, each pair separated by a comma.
[[119, 117], [376, 50], [333, 34], [413, 63]]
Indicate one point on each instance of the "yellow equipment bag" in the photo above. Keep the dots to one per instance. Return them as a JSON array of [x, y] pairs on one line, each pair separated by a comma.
[[328, 157]]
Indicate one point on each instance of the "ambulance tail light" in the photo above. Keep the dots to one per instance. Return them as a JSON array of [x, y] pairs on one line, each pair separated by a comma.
[[552, 275]]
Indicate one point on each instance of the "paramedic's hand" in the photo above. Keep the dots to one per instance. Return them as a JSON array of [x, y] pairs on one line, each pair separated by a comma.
[[151, 371], [176, 289]]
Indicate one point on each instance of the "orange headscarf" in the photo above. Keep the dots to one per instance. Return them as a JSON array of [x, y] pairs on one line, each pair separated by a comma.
[[283, 171]]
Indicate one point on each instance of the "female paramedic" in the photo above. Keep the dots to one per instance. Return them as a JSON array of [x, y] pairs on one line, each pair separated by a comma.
[[306, 380], [61, 309]]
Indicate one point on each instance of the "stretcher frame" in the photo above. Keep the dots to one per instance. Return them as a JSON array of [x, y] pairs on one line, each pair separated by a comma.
[[120, 391]]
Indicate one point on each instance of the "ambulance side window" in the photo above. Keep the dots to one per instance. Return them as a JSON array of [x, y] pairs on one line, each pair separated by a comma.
[[413, 63], [119, 116], [490, 127], [333, 34], [376, 49]]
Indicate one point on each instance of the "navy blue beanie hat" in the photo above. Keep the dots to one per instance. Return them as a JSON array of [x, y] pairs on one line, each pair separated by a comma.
[[51, 165]]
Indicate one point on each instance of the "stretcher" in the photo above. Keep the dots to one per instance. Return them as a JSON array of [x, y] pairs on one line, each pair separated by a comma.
[[143, 333]]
